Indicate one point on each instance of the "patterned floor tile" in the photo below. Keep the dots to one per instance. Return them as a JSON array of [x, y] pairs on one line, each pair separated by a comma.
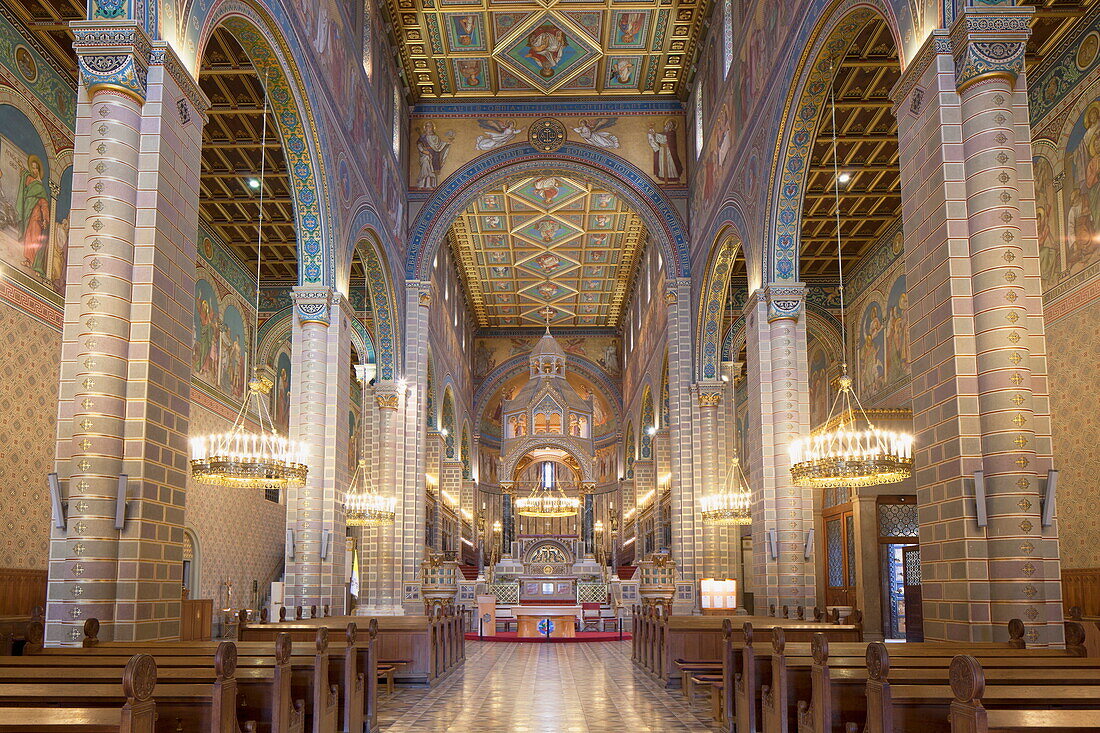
[[543, 688]]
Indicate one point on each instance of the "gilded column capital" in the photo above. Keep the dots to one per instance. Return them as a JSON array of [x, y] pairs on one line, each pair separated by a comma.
[[709, 394], [387, 396], [785, 302], [988, 41], [113, 55], [313, 304]]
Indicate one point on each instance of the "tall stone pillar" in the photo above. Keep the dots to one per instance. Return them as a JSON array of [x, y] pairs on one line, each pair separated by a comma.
[[711, 468], [320, 400], [687, 547], [411, 438], [385, 597], [450, 480], [778, 387], [980, 395], [124, 392]]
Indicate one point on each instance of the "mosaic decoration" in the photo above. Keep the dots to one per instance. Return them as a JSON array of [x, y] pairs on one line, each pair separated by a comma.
[[547, 240], [798, 139], [383, 299], [713, 307], [535, 47], [296, 136], [546, 135]]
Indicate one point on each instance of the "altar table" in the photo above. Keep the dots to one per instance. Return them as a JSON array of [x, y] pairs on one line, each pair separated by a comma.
[[563, 618]]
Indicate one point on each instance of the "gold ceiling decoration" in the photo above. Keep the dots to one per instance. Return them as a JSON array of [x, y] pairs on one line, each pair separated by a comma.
[[484, 48], [547, 240]]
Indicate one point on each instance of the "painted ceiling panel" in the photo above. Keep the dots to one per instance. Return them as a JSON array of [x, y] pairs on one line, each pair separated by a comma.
[[547, 241], [539, 47]]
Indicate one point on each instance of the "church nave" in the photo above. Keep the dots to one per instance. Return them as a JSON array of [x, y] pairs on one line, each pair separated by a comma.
[[543, 688]]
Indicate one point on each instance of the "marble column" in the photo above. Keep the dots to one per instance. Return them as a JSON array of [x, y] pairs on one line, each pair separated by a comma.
[[778, 387], [385, 598], [123, 418], [980, 395], [320, 401]]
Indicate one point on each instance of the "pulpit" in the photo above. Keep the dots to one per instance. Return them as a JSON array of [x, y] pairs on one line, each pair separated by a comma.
[[559, 621]]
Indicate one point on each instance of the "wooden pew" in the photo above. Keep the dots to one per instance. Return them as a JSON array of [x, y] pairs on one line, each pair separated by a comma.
[[310, 675], [702, 638], [968, 714], [274, 684], [833, 687], [183, 705], [137, 715], [899, 698], [398, 637]]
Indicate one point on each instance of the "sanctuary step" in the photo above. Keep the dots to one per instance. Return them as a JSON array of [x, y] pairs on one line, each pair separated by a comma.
[[626, 572], [469, 572]]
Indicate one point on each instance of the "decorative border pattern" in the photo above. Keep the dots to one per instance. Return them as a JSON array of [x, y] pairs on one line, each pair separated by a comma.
[[626, 179], [796, 143], [713, 302]]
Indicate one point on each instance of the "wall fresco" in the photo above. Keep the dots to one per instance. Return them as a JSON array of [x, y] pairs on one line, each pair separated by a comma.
[[443, 143]]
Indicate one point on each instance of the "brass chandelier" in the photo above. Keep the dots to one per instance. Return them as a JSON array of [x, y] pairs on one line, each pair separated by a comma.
[[241, 458], [850, 451], [546, 499], [731, 505], [363, 505]]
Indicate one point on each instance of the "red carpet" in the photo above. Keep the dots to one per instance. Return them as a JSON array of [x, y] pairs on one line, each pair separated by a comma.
[[581, 636]]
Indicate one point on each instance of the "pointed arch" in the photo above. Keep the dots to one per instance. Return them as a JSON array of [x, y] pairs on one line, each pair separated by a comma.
[[383, 298], [809, 92], [260, 37], [429, 394], [712, 302], [658, 213], [448, 423], [647, 425], [629, 454], [466, 451]]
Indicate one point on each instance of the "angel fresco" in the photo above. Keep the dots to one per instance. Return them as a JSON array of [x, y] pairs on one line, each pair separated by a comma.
[[595, 133], [497, 133]]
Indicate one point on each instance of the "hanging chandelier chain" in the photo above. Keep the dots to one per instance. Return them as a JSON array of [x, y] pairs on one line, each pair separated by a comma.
[[839, 246]]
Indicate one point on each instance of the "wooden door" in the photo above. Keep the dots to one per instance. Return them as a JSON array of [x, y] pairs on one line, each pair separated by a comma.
[[840, 557], [914, 612]]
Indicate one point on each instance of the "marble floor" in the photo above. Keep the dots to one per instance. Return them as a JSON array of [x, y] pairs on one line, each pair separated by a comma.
[[543, 688]]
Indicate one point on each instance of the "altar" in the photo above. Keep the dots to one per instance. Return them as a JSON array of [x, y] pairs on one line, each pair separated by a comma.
[[533, 620]]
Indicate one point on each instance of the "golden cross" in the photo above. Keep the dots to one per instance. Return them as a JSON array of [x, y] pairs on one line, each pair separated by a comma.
[[547, 313]]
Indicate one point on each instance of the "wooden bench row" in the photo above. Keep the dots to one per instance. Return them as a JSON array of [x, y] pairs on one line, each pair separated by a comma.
[[659, 640], [830, 686], [321, 687], [428, 647]]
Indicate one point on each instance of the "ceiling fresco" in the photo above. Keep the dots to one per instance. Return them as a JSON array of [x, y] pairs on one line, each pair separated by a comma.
[[536, 47], [547, 240]]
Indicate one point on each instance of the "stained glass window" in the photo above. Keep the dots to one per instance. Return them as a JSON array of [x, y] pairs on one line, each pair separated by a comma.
[[835, 550]]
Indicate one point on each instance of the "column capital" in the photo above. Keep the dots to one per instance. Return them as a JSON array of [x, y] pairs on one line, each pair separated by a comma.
[[785, 302], [314, 304], [709, 393], [387, 395], [988, 41], [113, 55]]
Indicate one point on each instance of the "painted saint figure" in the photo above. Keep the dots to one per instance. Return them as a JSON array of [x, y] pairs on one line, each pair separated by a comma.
[[547, 187], [546, 45], [34, 218], [433, 152], [666, 154]]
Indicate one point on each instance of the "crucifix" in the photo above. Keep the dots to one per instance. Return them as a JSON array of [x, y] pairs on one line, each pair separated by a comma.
[[547, 313]]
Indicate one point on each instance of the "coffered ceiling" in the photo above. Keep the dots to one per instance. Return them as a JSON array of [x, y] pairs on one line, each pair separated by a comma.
[[547, 240], [535, 47]]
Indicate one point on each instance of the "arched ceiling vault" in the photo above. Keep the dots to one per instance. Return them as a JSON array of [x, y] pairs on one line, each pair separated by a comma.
[[549, 239]]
